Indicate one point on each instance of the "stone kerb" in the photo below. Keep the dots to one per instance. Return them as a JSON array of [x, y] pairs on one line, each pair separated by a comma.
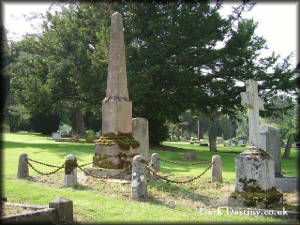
[[23, 171], [70, 177], [59, 211], [64, 209], [139, 181], [216, 169]]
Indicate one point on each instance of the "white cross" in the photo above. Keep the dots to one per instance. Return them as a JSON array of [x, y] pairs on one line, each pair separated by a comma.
[[254, 104]]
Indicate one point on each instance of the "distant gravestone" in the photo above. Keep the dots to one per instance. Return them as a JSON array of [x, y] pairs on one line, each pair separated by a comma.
[[155, 162], [190, 156], [90, 136], [141, 133], [270, 142], [56, 136], [241, 142]]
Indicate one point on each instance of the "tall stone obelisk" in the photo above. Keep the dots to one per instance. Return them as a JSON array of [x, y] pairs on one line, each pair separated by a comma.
[[116, 107]]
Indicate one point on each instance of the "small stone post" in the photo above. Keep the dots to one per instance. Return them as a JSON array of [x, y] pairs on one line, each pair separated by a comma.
[[216, 169], [155, 162], [138, 181], [70, 171], [23, 166], [64, 209]]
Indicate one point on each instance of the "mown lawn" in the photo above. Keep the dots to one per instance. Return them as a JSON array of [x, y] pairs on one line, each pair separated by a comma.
[[95, 201]]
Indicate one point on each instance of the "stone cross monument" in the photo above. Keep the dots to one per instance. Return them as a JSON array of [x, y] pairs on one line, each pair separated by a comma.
[[117, 146], [254, 167], [253, 103]]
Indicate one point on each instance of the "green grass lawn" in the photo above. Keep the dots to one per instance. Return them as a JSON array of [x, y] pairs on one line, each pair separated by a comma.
[[97, 202]]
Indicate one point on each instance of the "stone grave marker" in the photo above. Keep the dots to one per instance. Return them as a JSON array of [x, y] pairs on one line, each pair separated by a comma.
[[270, 142], [117, 145], [255, 183], [56, 136], [141, 133]]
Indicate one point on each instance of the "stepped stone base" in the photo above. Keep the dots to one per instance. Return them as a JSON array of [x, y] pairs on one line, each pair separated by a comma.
[[112, 156], [265, 200], [109, 172]]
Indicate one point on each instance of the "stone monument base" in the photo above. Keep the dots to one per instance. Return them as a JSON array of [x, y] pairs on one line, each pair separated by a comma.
[[263, 199], [100, 172], [112, 156], [254, 171]]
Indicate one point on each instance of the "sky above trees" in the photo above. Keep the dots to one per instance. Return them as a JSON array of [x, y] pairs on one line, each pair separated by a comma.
[[277, 22]]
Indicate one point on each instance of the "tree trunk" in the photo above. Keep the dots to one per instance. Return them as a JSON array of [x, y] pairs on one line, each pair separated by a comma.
[[79, 123], [212, 143], [288, 146], [200, 131]]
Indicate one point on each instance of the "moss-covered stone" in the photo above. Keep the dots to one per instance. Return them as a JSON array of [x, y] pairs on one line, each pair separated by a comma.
[[268, 198], [124, 140], [264, 154], [102, 161], [70, 165], [249, 185]]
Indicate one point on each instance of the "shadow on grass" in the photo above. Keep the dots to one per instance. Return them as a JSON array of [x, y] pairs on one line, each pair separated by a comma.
[[177, 191]]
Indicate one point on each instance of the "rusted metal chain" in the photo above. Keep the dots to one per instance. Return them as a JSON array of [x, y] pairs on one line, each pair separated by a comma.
[[85, 164], [174, 181], [106, 177], [45, 164], [42, 173], [168, 161]]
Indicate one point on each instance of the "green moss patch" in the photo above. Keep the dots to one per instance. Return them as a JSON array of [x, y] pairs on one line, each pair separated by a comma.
[[269, 197], [102, 161], [124, 140], [264, 154], [70, 165]]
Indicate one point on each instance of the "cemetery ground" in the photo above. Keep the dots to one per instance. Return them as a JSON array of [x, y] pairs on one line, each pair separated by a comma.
[[96, 202]]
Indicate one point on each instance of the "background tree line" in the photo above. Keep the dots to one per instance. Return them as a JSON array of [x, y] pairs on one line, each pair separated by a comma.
[[179, 55]]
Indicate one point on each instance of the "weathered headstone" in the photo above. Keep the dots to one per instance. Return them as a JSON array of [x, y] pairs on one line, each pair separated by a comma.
[[23, 171], [241, 142], [190, 156], [141, 133], [64, 209], [155, 162], [56, 136], [138, 181], [70, 177], [117, 146], [254, 185], [90, 136], [216, 169], [270, 142]]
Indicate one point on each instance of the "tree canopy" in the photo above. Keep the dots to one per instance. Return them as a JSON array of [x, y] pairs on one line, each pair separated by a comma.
[[180, 56]]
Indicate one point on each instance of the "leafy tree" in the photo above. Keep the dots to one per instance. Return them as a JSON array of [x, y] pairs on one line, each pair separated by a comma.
[[180, 56], [66, 66]]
